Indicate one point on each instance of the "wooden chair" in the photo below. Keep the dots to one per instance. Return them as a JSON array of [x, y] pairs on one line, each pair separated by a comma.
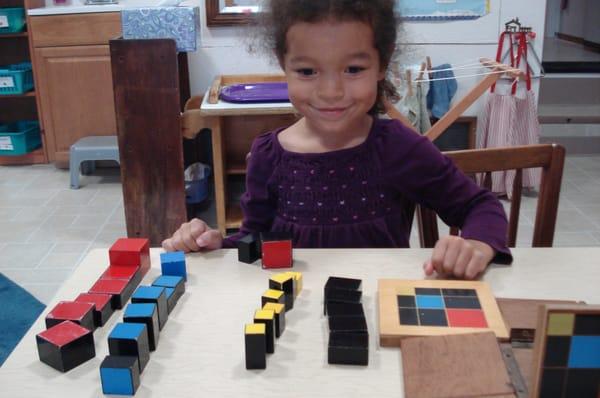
[[550, 157]]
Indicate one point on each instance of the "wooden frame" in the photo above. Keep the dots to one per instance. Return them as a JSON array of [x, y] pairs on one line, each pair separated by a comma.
[[542, 337], [214, 16], [391, 331]]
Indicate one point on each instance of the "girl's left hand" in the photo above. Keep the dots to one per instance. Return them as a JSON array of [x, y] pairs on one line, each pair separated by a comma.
[[458, 257]]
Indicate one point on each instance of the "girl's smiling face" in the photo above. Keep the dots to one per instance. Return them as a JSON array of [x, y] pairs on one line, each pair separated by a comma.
[[332, 69]]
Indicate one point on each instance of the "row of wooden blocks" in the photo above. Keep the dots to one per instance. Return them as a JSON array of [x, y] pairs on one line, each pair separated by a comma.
[[130, 342], [348, 333], [68, 340], [269, 321], [273, 248]]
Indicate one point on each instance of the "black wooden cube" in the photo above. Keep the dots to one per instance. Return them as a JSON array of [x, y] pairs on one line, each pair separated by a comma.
[[348, 349], [268, 318], [337, 282], [341, 296], [348, 324], [65, 346], [255, 341], [297, 282], [273, 296], [284, 282], [249, 248], [344, 309], [279, 310]]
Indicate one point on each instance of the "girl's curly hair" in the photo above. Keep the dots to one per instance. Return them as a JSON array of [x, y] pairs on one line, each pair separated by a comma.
[[279, 15]]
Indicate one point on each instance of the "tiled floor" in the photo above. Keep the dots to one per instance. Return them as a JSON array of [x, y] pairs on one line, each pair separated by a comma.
[[47, 228]]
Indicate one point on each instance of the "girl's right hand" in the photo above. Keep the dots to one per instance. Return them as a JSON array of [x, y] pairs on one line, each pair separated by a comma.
[[193, 236]]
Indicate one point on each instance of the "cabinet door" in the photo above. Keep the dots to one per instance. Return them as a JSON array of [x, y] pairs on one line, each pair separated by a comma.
[[76, 96]]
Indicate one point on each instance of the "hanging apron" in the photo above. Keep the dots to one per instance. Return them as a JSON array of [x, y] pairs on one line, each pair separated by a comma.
[[511, 120]]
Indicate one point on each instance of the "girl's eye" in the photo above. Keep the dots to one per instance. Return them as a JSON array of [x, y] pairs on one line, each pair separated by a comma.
[[354, 69], [306, 71]]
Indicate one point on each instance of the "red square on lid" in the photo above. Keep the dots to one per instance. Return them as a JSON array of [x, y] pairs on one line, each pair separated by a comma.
[[120, 272], [71, 310], [461, 318], [100, 300], [110, 286], [63, 333]]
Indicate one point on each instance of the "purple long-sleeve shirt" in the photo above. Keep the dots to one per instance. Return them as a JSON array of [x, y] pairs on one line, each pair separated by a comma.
[[356, 197]]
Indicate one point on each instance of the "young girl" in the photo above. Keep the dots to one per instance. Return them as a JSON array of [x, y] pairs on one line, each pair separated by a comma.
[[340, 176]]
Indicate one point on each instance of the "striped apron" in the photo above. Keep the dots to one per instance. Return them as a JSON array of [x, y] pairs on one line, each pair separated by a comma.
[[510, 120]]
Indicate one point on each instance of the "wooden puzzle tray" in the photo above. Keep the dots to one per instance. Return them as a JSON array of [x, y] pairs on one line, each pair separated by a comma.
[[409, 308]]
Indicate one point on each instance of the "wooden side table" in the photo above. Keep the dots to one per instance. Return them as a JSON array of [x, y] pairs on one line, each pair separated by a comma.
[[234, 127]]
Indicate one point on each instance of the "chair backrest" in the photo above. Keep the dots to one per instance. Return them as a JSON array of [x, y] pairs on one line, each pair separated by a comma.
[[550, 157]]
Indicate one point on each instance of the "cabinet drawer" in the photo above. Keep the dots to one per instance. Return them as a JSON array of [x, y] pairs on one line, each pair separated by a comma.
[[74, 29]]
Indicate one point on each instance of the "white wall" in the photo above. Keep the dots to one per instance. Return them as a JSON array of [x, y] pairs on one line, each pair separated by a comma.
[[223, 50], [591, 30], [552, 17], [571, 19]]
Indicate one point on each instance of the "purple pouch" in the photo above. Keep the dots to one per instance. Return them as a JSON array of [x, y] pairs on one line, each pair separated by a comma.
[[255, 92]]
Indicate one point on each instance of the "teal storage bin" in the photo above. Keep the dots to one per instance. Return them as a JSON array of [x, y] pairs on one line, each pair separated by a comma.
[[19, 138], [12, 20], [16, 78]]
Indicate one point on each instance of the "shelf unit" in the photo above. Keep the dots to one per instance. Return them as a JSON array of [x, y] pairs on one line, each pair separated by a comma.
[[15, 48]]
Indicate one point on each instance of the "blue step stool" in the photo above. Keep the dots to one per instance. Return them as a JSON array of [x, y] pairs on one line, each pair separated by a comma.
[[86, 150]]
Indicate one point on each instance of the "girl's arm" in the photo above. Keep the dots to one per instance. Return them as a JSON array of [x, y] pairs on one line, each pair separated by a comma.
[[431, 179]]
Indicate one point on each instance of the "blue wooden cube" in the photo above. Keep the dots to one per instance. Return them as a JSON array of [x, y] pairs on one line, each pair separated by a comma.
[[130, 339], [144, 313], [173, 263], [156, 295], [175, 287], [120, 375]]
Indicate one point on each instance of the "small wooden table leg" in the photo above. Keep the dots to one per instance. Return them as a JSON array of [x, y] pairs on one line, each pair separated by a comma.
[[215, 125]]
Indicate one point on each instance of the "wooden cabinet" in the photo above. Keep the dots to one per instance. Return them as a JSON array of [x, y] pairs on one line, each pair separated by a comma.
[[75, 88], [16, 48], [73, 77]]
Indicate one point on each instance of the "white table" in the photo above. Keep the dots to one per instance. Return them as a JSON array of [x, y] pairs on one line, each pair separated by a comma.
[[201, 349]]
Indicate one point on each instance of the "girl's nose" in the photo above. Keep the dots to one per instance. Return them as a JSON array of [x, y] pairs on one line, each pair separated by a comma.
[[331, 88]]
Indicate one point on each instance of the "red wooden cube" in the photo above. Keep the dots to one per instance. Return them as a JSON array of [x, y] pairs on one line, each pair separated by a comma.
[[276, 250], [65, 346], [119, 289], [103, 306], [131, 251], [128, 272], [77, 312]]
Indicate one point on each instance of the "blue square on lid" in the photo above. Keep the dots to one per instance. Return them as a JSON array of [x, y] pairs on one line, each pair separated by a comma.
[[167, 281], [139, 310], [173, 264], [148, 292], [129, 331]]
